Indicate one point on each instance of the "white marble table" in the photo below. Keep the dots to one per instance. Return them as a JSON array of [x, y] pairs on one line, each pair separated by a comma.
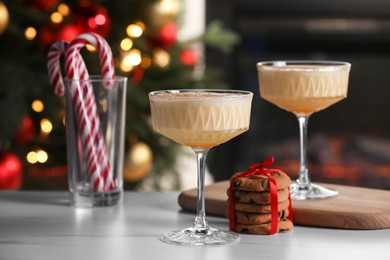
[[42, 225]]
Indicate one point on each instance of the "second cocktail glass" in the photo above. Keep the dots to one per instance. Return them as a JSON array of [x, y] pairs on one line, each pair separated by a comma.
[[200, 119], [304, 87]]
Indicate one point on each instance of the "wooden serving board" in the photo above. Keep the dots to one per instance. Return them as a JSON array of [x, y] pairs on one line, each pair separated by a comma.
[[353, 208]]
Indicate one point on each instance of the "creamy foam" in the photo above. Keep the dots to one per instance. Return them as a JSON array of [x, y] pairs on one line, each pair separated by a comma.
[[200, 119], [303, 89]]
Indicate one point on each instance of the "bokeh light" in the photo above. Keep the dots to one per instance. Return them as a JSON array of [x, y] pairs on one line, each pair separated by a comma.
[[126, 44], [63, 9], [56, 17], [134, 30], [46, 126], [30, 33], [37, 106]]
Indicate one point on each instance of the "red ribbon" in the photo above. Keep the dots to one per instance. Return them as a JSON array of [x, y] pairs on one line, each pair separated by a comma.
[[260, 169]]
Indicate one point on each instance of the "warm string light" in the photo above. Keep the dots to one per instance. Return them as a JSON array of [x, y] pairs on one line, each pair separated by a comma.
[[126, 65], [132, 57], [38, 156], [169, 7], [30, 33], [161, 57], [63, 9], [126, 44], [37, 106], [135, 30], [46, 126], [146, 62], [56, 17]]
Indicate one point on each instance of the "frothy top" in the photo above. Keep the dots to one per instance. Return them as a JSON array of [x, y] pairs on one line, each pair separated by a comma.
[[304, 67], [177, 94], [303, 81]]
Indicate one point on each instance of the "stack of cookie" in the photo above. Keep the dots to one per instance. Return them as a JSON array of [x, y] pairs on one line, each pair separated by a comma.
[[251, 203]]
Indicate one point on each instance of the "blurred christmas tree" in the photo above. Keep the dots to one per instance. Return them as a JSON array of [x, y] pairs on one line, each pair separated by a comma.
[[143, 38]]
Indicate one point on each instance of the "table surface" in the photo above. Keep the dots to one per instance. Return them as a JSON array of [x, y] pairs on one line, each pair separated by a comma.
[[42, 225]]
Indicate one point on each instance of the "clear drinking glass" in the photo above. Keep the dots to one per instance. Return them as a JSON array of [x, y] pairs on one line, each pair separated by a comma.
[[200, 119], [95, 131], [304, 87]]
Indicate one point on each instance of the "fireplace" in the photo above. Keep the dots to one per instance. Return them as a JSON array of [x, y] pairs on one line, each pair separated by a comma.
[[349, 142]]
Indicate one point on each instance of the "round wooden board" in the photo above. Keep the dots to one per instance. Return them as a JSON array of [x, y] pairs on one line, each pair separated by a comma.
[[354, 208]]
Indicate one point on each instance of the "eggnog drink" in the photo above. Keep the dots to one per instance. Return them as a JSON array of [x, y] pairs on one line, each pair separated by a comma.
[[200, 118], [303, 89]]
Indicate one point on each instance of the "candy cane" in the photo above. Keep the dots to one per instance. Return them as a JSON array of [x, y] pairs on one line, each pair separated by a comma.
[[56, 51], [84, 92], [104, 51], [84, 103]]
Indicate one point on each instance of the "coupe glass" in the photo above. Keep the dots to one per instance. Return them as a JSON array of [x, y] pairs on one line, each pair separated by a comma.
[[304, 87], [200, 119]]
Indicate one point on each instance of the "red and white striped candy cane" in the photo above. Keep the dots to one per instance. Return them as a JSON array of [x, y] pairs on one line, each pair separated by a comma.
[[104, 51], [56, 51], [84, 92], [84, 103]]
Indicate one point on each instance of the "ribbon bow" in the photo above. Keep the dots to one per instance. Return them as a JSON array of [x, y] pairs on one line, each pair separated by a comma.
[[261, 169]]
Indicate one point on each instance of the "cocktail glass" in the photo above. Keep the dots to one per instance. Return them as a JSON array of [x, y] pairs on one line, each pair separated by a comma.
[[200, 119], [304, 87]]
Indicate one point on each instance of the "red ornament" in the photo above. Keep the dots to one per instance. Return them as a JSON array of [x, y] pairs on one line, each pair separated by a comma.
[[47, 35], [51, 33], [44, 5], [26, 130], [88, 17], [69, 31], [167, 35], [92, 17], [188, 57], [138, 75], [10, 172]]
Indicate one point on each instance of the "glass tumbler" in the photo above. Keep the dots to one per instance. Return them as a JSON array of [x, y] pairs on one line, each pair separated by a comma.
[[95, 132]]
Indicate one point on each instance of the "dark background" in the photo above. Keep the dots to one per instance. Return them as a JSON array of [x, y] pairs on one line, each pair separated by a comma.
[[349, 142]]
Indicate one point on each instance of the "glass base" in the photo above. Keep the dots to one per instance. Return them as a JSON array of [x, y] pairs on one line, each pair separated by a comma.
[[199, 237], [314, 191], [80, 199]]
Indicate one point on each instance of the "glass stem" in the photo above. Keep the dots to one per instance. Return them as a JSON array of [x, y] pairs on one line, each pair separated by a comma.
[[200, 220], [304, 180]]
